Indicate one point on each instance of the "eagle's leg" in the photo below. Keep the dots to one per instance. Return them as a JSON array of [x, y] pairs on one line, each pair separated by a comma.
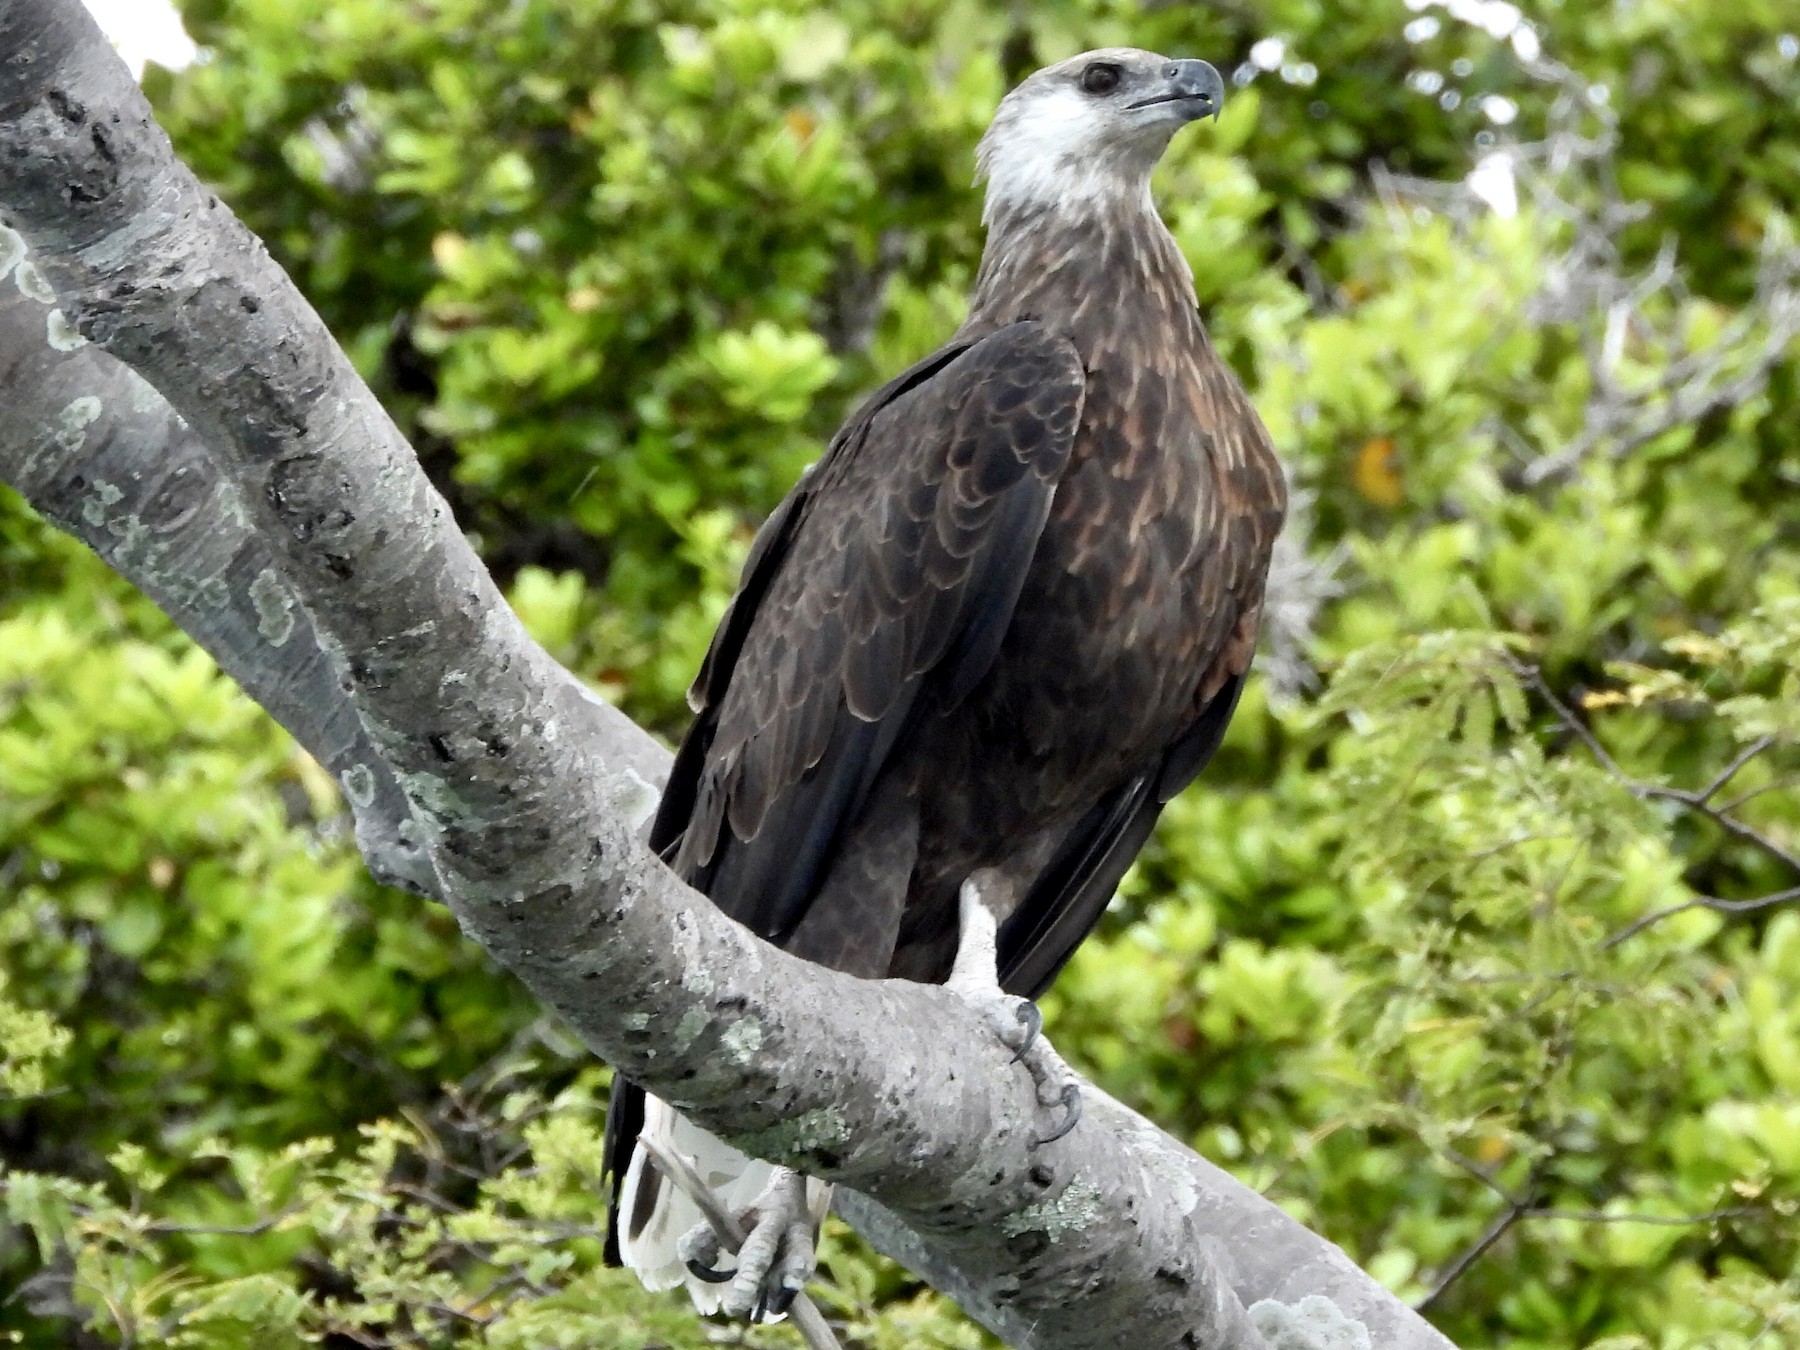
[[974, 976], [776, 1259]]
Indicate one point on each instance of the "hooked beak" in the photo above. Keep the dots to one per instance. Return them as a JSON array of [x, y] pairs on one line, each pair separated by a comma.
[[1193, 87]]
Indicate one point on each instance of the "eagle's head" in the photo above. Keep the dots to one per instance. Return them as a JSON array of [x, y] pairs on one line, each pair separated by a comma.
[[1091, 127]]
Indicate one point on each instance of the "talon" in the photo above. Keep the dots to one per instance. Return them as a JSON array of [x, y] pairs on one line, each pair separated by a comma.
[[975, 978], [1033, 1022], [699, 1251], [780, 1300], [1070, 1100], [776, 1258], [707, 1273]]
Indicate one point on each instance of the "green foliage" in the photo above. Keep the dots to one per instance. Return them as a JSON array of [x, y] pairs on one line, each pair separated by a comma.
[[397, 1227], [1484, 959], [219, 958], [30, 1043]]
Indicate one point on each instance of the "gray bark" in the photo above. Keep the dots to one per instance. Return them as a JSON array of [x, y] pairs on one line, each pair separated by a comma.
[[255, 489], [101, 455]]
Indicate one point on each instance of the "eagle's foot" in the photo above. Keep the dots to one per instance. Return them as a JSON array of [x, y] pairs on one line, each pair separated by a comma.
[[1016, 1022], [776, 1259], [1058, 1089]]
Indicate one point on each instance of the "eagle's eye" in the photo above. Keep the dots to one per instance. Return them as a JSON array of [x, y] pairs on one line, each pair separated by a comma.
[[1100, 78]]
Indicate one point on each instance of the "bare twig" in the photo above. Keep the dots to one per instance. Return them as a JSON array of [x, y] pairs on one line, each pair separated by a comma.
[[1711, 902], [256, 1229], [1591, 287], [1492, 1234], [1784, 783], [1698, 802], [1522, 1208], [1485, 1175], [1533, 678], [1730, 771], [1664, 1220]]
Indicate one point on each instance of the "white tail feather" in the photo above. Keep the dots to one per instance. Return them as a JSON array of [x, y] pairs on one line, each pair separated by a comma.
[[734, 1177]]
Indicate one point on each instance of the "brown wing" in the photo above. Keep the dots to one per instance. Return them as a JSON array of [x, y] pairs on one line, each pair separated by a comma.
[[893, 566], [1065, 903], [1068, 898]]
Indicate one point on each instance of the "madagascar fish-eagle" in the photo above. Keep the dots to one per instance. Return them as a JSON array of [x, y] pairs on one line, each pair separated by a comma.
[[983, 641]]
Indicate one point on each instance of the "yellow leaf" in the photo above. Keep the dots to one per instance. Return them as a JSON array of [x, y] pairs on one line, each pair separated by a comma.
[[1491, 1149], [1377, 472], [800, 124], [447, 249]]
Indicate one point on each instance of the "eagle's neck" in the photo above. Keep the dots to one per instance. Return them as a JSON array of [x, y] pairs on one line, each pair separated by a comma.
[[1093, 267]]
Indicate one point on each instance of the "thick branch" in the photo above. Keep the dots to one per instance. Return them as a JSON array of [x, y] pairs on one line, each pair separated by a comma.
[[100, 454], [524, 793]]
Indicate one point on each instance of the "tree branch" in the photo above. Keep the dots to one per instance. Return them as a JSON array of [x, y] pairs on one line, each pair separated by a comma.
[[100, 454], [1700, 803], [1712, 902], [1496, 1230], [522, 792]]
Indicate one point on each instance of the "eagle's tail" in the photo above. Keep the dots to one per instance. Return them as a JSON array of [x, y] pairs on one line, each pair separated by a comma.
[[650, 1213]]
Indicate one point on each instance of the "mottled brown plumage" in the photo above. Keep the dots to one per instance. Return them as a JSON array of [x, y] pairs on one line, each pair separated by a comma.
[[1007, 615]]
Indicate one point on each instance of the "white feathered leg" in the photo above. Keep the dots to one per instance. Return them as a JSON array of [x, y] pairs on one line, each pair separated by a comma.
[[673, 1232], [974, 977]]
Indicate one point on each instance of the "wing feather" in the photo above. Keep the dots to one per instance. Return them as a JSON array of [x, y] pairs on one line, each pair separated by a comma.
[[894, 567], [1066, 902]]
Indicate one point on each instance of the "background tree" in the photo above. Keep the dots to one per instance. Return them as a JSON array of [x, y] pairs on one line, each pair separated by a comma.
[[1409, 959]]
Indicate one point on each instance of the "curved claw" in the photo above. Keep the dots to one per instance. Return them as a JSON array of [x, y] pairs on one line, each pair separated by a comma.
[[780, 1299], [706, 1273], [1033, 1022], [1071, 1105], [776, 1259]]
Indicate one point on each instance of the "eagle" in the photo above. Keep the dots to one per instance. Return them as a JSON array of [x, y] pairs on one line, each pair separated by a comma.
[[982, 642]]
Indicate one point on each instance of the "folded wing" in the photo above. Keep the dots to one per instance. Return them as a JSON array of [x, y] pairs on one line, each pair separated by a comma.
[[888, 576]]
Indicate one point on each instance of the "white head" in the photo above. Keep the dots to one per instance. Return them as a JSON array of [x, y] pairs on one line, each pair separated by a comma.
[[1091, 127]]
